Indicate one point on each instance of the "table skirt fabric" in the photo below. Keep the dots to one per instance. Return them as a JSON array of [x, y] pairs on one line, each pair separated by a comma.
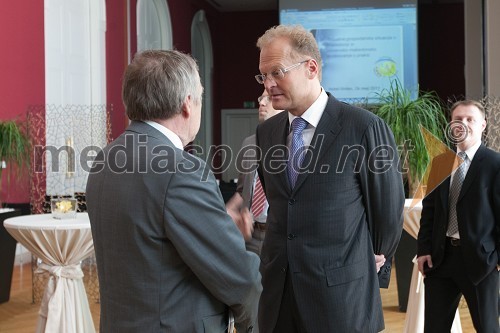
[[64, 307]]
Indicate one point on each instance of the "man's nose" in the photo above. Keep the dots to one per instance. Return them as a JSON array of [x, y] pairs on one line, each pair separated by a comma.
[[269, 82]]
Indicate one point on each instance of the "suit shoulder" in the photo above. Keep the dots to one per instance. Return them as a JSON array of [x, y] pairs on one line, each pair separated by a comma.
[[248, 141], [490, 157], [273, 121], [352, 113], [495, 155], [363, 115]]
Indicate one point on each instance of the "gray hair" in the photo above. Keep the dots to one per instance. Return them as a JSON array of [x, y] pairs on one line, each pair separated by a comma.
[[302, 41], [157, 82]]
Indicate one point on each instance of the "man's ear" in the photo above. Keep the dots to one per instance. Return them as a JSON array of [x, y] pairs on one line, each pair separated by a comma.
[[186, 107], [483, 125], [312, 68]]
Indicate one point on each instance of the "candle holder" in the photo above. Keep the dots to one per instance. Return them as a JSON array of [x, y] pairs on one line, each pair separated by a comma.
[[63, 208]]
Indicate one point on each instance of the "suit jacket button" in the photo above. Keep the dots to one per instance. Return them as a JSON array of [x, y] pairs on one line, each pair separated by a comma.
[[291, 236], [291, 201], [283, 270]]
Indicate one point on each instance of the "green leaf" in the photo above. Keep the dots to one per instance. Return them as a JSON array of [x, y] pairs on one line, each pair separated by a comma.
[[404, 116]]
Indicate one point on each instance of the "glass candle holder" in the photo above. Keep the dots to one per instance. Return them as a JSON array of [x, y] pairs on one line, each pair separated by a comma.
[[63, 208]]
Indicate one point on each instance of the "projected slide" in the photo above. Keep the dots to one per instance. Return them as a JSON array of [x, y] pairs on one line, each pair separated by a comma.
[[362, 60], [364, 44]]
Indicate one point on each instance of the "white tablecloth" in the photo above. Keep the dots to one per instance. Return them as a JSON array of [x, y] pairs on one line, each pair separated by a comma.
[[61, 245], [414, 320]]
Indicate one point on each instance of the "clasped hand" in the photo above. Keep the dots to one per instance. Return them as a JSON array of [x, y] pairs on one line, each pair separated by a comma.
[[241, 216]]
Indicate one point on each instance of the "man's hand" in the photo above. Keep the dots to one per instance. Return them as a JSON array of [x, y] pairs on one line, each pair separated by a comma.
[[245, 224], [422, 260], [241, 216], [379, 261]]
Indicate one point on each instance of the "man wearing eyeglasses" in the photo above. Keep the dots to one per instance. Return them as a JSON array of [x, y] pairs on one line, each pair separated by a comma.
[[330, 173], [249, 202]]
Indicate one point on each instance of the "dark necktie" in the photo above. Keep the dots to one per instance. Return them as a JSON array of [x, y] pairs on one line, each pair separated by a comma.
[[456, 186], [296, 150], [258, 199]]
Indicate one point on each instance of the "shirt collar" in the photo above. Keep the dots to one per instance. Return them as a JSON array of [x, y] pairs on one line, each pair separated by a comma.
[[168, 133], [472, 150], [313, 114]]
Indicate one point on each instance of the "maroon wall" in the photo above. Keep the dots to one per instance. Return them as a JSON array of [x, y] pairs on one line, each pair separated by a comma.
[[116, 61], [442, 49], [22, 79], [237, 60]]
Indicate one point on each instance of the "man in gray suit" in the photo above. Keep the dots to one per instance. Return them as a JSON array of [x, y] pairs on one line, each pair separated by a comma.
[[249, 187], [169, 257], [330, 173]]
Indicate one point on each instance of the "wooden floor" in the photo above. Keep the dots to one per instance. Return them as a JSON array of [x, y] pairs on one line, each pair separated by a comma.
[[19, 315]]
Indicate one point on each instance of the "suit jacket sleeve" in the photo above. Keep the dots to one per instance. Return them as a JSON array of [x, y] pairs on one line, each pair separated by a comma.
[[246, 163], [496, 202], [209, 242], [424, 238], [383, 194]]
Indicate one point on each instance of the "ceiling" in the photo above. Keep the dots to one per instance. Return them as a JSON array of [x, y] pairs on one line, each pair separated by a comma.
[[243, 5]]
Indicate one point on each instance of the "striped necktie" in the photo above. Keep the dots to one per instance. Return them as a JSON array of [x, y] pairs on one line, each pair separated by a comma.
[[258, 199], [296, 150], [456, 186]]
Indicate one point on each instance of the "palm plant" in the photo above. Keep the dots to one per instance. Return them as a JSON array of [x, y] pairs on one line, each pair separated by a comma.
[[405, 115], [14, 147]]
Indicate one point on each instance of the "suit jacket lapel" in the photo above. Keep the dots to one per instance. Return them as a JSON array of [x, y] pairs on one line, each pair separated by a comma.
[[445, 193], [473, 171], [328, 128], [278, 138]]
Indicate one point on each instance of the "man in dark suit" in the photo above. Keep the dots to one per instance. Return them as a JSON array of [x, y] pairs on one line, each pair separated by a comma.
[[459, 237], [242, 203], [169, 257], [332, 206]]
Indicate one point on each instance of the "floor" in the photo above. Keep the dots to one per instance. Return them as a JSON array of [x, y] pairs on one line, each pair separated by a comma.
[[19, 315]]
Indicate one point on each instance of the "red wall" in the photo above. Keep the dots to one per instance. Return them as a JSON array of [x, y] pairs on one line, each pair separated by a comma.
[[116, 61], [22, 68], [22, 82]]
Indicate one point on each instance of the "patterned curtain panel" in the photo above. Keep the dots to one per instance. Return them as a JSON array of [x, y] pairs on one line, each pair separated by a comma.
[[492, 137], [65, 139]]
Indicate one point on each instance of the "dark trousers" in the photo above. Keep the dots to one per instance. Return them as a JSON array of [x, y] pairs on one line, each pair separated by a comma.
[[444, 287], [289, 320]]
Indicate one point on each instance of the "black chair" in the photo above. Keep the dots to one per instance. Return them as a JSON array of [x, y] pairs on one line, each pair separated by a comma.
[[8, 253]]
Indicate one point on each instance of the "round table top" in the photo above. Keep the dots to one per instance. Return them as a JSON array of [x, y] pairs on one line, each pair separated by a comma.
[[47, 222]]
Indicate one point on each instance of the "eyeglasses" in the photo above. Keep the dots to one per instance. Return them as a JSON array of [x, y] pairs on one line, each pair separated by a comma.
[[265, 99], [278, 74]]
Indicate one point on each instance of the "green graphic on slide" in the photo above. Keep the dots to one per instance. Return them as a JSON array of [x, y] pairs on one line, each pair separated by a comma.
[[385, 67]]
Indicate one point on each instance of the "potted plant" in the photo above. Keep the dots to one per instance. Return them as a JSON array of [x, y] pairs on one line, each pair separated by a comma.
[[405, 116], [14, 148]]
